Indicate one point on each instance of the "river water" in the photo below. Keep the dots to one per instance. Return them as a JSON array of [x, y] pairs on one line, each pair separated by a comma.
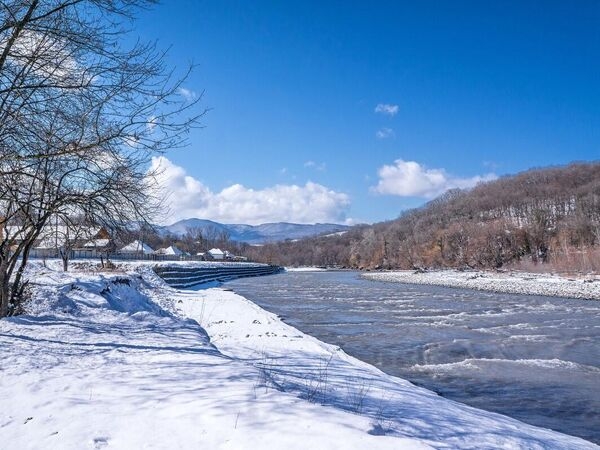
[[533, 358]]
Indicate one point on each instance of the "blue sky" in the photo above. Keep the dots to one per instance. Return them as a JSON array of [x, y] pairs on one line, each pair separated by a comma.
[[354, 111]]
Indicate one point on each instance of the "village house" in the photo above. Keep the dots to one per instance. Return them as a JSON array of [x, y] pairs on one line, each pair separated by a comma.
[[170, 251], [71, 238], [136, 248], [215, 254]]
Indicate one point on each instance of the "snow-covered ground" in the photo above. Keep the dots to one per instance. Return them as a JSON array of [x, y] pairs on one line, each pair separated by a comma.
[[124, 361], [305, 269], [587, 287]]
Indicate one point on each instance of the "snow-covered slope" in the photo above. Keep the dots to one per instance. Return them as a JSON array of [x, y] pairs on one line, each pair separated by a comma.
[[257, 234], [124, 361]]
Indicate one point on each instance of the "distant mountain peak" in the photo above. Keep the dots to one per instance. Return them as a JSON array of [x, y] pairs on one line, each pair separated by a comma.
[[256, 234]]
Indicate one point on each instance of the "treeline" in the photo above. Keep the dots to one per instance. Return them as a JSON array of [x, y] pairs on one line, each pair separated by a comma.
[[548, 217], [195, 239]]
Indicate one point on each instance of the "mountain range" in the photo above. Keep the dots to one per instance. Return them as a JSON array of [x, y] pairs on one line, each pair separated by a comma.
[[255, 234]]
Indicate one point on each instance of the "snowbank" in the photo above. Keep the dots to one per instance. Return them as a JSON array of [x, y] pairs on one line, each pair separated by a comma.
[[509, 282], [124, 361], [305, 269]]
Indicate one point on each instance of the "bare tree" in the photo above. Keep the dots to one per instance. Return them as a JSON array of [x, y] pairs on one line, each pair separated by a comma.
[[194, 240], [542, 216], [80, 118]]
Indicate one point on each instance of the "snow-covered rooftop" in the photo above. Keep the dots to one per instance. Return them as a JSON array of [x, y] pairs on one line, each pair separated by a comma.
[[169, 251], [55, 236], [137, 247], [97, 243]]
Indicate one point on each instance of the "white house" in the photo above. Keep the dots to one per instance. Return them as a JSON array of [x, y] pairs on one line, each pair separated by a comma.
[[169, 251], [54, 238], [97, 244], [216, 254], [137, 247]]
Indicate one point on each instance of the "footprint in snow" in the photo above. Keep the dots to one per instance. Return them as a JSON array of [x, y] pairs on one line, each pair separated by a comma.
[[100, 442]]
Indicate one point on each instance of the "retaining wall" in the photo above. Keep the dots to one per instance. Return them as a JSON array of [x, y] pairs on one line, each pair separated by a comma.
[[181, 276]]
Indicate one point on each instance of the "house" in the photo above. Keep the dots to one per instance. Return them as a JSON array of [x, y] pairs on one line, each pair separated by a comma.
[[169, 251], [100, 244], [55, 238], [136, 248], [216, 254]]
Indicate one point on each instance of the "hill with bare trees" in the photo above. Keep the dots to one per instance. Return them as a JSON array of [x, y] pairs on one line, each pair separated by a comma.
[[543, 218]]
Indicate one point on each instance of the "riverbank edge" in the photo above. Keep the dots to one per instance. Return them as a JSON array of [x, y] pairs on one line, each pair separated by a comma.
[[525, 283], [242, 329], [272, 380]]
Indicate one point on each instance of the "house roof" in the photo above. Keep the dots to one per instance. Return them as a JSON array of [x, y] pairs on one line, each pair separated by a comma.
[[137, 247], [216, 251], [97, 243], [53, 236], [172, 250]]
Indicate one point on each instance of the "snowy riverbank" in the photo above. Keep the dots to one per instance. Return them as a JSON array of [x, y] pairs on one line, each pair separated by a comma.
[[509, 282], [125, 361]]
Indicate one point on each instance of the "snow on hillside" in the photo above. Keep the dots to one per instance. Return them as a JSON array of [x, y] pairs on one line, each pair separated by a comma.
[[123, 361]]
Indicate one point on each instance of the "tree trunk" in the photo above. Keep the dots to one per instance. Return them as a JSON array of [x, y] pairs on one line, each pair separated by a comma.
[[64, 254], [16, 289], [4, 296], [4, 287]]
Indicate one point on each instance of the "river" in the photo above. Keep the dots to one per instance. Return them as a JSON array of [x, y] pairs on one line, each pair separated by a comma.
[[533, 358]]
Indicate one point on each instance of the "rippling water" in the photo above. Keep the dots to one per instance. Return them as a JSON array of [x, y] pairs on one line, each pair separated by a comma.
[[533, 358]]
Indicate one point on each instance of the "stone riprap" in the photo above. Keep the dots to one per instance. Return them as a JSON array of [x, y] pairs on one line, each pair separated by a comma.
[[183, 276], [585, 287]]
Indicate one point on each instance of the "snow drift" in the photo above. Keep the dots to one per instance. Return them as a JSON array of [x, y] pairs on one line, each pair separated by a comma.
[[124, 361]]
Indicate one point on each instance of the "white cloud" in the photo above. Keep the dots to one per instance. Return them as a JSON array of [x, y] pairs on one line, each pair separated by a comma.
[[152, 121], [187, 94], [387, 109], [131, 141], [385, 133], [411, 179], [62, 69], [317, 166], [189, 197], [491, 165]]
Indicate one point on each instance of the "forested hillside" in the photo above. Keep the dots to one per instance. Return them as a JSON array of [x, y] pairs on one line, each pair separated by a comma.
[[548, 218]]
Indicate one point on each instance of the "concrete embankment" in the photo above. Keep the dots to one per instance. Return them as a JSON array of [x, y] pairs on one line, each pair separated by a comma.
[[179, 276]]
